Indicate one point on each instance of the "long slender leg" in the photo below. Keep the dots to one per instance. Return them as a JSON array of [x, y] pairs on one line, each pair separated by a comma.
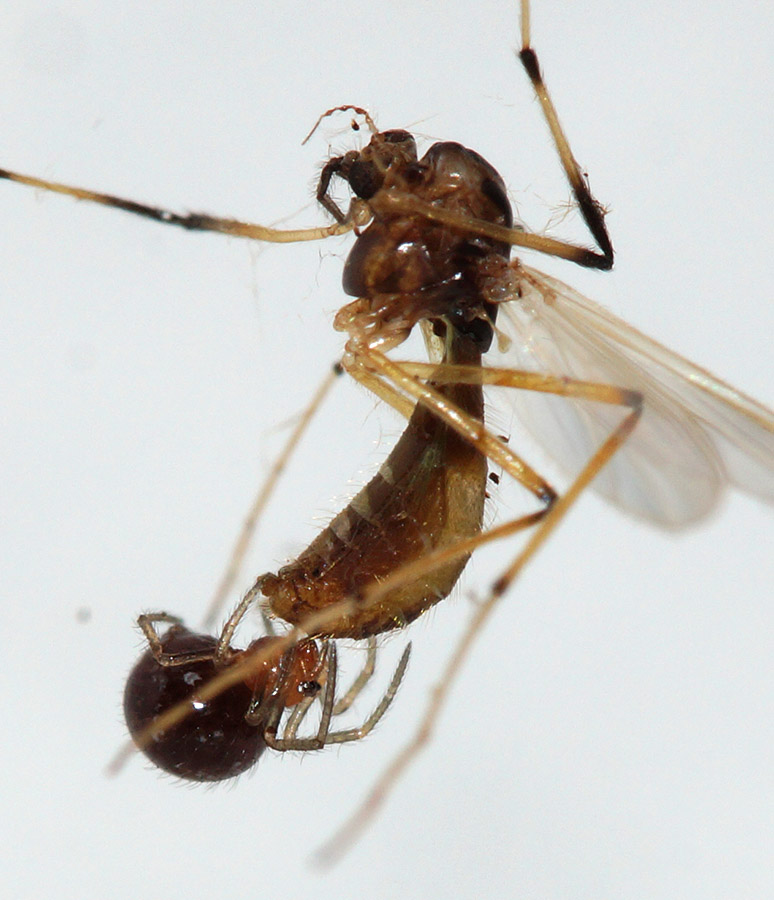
[[267, 708], [296, 717], [591, 210], [347, 107], [250, 523], [329, 694], [558, 385], [290, 741], [227, 634], [356, 734], [147, 623], [375, 363], [364, 676], [325, 736], [189, 221], [394, 203], [547, 518]]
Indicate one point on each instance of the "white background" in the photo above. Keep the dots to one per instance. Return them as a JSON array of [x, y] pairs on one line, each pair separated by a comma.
[[611, 735]]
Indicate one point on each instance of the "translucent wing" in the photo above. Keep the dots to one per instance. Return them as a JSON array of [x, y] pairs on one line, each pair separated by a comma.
[[696, 433]]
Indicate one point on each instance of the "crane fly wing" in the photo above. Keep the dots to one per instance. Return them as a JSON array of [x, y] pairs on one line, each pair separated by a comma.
[[696, 432]]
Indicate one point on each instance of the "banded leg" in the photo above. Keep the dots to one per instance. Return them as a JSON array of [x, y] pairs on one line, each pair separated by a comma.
[[188, 221], [591, 210]]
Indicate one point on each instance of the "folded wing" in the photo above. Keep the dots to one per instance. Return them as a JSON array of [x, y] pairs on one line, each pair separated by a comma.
[[696, 433]]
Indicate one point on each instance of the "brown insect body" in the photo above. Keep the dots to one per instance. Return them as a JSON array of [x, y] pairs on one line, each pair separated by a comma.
[[429, 493], [403, 268]]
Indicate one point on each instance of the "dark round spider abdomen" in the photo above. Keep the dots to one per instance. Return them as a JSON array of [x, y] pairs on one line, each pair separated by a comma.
[[214, 741]]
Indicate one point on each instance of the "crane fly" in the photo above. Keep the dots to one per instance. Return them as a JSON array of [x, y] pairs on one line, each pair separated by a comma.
[[656, 435]]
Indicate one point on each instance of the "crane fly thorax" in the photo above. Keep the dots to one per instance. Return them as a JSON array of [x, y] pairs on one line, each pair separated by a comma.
[[406, 267]]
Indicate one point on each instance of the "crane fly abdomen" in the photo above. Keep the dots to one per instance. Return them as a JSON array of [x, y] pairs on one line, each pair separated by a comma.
[[428, 494]]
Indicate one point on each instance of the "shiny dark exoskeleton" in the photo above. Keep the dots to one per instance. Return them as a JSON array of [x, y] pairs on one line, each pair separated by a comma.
[[406, 268], [409, 267]]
